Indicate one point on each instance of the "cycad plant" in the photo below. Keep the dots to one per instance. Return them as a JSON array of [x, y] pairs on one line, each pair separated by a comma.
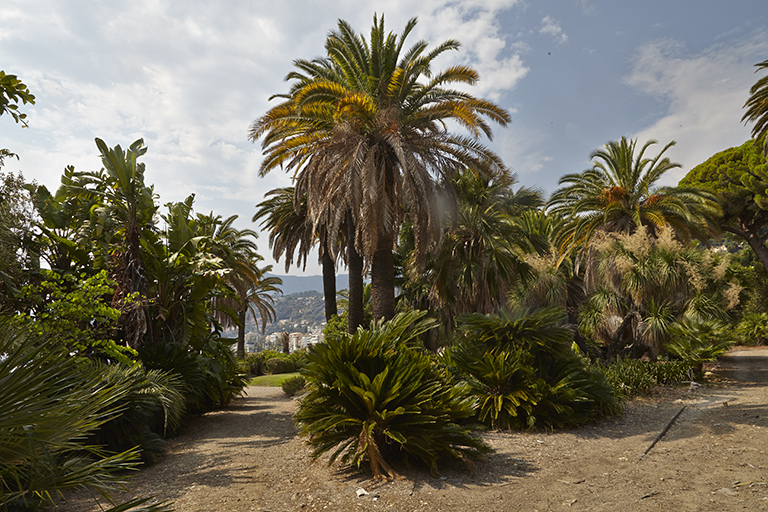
[[376, 395], [49, 403], [522, 371], [697, 341]]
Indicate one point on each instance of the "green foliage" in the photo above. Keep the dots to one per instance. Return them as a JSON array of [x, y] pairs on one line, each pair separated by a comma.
[[17, 245], [501, 381], [336, 327], [49, 403], [699, 341], [13, 93], [757, 107], [211, 374], [668, 371], [376, 395], [753, 329], [153, 408], [73, 309], [279, 365], [293, 385], [254, 363], [739, 177], [635, 377], [619, 194], [522, 371], [641, 285]]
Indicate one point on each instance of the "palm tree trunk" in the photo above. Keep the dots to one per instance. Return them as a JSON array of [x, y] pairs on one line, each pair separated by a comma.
[[383, 280], [355, 267], [329, 283], [241, 334]]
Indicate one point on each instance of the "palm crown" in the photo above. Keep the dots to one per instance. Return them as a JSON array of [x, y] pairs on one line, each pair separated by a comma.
[[618, 194], [364, 130]]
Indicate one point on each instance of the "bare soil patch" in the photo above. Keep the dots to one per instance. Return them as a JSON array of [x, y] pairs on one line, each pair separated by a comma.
[[250, 458]]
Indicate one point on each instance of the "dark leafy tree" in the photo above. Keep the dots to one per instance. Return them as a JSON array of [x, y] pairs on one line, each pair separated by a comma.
[[739, 178], [291, 235], [123, 217]]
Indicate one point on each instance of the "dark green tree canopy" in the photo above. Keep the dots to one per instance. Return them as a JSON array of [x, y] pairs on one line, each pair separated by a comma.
[[739, 177]]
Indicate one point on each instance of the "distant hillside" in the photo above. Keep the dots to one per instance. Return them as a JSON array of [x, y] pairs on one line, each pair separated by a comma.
[[300, 312], [298, 284]]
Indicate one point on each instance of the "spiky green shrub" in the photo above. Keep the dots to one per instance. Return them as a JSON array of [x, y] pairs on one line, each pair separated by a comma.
[[522, 371], [630, 377], [254, 362], [668, 371], [293, 385], [698, 341], [753, 329], [500, 380], [49, 404], [153, 408], [377, 395]]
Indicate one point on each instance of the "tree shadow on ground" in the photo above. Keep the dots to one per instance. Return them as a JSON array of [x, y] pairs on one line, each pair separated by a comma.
[[494, 469]]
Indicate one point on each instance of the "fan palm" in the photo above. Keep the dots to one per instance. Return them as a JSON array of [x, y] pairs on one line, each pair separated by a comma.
[[364, 129], [640, 286], [483, 254], [618, 194], [49, 403], [757, 108]]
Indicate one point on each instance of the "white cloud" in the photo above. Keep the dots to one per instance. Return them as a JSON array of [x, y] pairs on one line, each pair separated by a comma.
[[703, 93], [552, 28]]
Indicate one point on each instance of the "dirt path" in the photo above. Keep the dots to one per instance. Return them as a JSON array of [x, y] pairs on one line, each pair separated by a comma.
[[249, 458]]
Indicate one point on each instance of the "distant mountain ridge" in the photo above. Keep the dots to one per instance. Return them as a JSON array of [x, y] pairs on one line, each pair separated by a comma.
[[298, 284]]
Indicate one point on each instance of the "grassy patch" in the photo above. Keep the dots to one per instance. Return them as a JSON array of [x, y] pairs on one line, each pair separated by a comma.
[[272, 380]]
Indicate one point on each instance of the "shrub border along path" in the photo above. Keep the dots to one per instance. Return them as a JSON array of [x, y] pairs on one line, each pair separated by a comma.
[[249, 458]]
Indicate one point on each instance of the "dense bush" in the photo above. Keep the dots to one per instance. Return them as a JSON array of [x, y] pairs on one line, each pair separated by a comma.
[[257, 363], [293, 385], [277, 365], [375, 396], [49, 404], [698, 341], [635, 377], [753, 329], [153, 408], [211, 375], [522, 371]]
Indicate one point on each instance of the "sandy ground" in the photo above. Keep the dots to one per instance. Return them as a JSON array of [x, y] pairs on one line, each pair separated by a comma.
[[249, 458]]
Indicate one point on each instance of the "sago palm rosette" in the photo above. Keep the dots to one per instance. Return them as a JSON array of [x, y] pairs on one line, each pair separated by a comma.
[[375, 396]]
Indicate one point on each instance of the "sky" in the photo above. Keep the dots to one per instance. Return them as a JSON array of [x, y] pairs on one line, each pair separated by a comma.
[[189, 77]]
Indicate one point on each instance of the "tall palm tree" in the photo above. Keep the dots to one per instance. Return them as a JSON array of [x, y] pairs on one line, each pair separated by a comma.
[[757, 108], [291, 234], [364, 129], [249, 288], [618, 194]]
